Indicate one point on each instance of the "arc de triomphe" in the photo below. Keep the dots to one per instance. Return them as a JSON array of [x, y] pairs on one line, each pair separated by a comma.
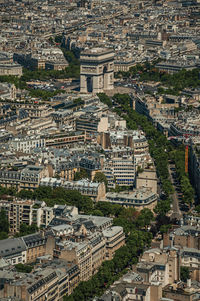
[[97, 70]]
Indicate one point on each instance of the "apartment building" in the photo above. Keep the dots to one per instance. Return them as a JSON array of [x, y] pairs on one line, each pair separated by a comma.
[[123, 138], [66, 167], [71, 272], [119, 171], [98, 244], [77, 252], [87, 123], [35, 110], [26, 212], [43, 285], [152, 272], [27, 249], [172, 67], [18, 212], [61, 140], [140, 143], [13, 251], [87, 244], [27, 144], [180, 293], [47, 214], [138, 198], [10, 179], [27, 178], [94, 190], [35, 246], [92, 124], [190, 258], [115, 239], [31, 176], [52, 281], [185, 236], [160, 266], [132, 290], [123, 65]]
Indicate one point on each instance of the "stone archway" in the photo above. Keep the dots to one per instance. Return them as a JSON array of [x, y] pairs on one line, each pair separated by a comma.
[[89, 84], [97, 70], [105, 69]]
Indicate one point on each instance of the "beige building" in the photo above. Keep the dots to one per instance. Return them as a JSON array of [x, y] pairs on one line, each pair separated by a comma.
[[61, 140], [97, 70], [38, 245], [147, 178], [27, 143], [77, 252], [40, 286], [18, 212], [115, 239], [98, 244], [27, 178], [181, 293], [123, 65], [190, 258], [128, 288], [10, 69], [160, 266], [96, 191], [56, 65], [88, 254], [50, 282], [185, 236], [138, 198], [34, 109]]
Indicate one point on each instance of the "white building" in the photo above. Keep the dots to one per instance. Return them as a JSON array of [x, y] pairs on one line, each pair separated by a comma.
[[13, 250], [27, 144], [120, 171]]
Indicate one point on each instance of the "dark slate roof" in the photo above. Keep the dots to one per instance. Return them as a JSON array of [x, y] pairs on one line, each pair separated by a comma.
[[35, 238]]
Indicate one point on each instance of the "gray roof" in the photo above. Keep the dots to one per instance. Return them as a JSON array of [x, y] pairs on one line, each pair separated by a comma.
[[112, 231], [11, 246]]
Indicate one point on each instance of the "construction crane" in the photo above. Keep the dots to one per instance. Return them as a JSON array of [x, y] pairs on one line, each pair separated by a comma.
[[184, 139], [186, 136]]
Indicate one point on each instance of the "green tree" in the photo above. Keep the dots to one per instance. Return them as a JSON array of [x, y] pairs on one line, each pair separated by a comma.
[[23, 268], [58, 39], [27, 229], [25, 194], [165, 228], [43, 192], [162, 207], [105, 99], [3, 235], [184, 273], [100, 177], [82, 174], [105, 207], [145, 218], [4, 224], [197, 208]]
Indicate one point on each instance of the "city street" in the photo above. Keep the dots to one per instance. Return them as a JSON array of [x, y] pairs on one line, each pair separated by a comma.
[[176, 212]]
